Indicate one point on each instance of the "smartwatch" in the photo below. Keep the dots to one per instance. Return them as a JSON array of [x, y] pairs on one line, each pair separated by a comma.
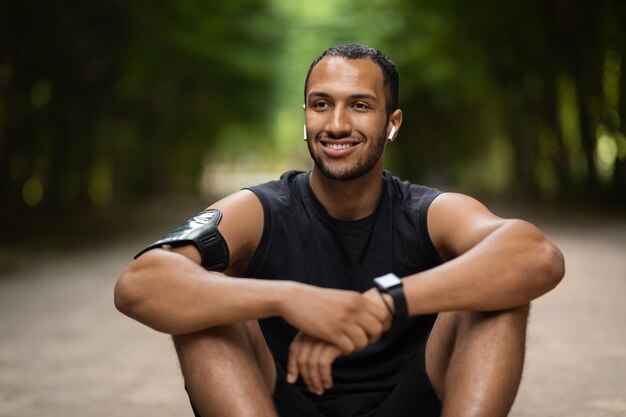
[[392, 285]]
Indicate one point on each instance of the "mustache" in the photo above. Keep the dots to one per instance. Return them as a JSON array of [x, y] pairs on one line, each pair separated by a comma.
[[331, 136]]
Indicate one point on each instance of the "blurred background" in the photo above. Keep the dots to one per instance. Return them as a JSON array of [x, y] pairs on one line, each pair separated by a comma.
[[106, 102], [120, 119]]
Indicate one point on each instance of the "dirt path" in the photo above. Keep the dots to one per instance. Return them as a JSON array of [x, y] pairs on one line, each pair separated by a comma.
[[65, 350]]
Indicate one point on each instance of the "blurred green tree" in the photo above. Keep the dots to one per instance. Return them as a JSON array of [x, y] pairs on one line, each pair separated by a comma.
[[110, 100], [530, 91]]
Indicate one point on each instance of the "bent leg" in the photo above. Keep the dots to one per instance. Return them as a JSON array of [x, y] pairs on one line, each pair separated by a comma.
[[228, 370], [475, 360]]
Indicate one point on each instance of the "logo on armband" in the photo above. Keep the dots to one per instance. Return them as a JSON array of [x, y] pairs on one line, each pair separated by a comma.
[[202, 219]]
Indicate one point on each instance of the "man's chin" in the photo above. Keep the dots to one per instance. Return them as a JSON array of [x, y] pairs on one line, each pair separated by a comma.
[[342, 174]]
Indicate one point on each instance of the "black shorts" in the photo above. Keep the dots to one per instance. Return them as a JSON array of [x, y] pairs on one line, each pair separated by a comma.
[[413, 396]]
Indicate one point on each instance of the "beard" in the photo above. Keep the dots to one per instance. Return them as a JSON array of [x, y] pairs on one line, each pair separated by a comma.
[[360, 169]]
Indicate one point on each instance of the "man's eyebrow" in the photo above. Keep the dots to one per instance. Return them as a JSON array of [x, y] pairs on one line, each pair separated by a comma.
[[319, 94], [363, 96], [357, 96]]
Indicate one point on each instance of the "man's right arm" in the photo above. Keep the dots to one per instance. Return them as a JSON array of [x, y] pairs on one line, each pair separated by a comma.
[[169, 291]]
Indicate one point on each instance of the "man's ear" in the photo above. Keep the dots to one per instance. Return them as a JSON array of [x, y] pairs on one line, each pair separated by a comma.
[[395, 121]]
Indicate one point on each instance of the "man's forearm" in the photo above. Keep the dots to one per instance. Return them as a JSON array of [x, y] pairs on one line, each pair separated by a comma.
[[172, 294], [510, 267]]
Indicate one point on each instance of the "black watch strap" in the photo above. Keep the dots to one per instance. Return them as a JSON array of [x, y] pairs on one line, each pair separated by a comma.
[[392, 285], [399, 302]]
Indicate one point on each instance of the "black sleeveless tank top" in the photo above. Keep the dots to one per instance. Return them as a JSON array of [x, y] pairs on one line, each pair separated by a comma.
[[302, 242]]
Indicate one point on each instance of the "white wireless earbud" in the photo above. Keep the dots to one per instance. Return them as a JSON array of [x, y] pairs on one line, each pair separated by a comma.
[[305, 138], [391, 133]]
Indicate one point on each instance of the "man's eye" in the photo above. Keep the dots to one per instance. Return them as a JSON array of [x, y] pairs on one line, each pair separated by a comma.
[[360, 106], [320, 105]]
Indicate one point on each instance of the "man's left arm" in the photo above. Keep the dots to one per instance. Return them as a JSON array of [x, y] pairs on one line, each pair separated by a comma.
[[490, 263]]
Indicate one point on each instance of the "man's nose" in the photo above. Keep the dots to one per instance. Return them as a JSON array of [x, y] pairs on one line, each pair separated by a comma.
[[339, 124]]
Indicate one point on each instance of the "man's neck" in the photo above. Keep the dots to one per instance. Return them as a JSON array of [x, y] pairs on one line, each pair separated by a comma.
[[348, 200]]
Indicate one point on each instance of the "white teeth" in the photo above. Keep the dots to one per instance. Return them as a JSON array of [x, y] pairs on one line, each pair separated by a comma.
[[338, 146]]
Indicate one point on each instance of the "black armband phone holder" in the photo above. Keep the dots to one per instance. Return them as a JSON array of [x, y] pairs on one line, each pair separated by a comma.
[[201, 231]]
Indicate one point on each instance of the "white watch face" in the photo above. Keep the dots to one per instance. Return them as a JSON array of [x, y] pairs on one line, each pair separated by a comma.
[[388, 281]]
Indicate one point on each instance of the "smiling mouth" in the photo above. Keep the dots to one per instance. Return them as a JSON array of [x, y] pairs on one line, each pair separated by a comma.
[[339, 146]]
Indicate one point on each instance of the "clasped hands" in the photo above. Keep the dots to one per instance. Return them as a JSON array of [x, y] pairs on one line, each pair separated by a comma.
[[331, 323]]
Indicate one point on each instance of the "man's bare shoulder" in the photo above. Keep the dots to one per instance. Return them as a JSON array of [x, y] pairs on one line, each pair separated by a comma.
[[457, 222], [241, 226]]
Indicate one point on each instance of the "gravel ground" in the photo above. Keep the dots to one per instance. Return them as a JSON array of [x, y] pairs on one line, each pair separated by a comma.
[[65, 350]]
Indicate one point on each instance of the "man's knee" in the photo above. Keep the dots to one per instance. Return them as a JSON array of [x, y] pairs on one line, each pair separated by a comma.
[[220, 339], [511, 319]]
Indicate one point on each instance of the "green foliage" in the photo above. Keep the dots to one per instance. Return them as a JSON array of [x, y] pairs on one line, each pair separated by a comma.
[[109, 100], [543, 76]]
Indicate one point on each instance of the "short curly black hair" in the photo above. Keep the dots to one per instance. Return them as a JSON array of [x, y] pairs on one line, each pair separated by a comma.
[[391, 76]]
